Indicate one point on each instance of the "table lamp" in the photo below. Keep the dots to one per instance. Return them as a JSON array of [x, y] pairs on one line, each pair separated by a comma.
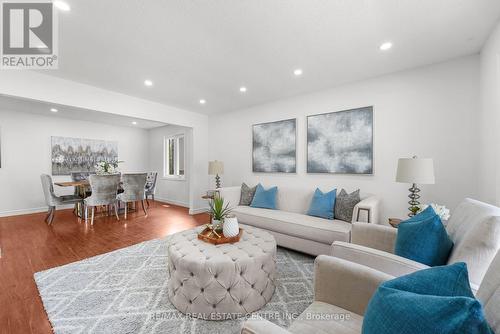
[[216, 168], [415, 171]]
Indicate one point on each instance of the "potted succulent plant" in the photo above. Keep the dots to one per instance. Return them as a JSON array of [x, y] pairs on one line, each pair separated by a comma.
[[218, 210]]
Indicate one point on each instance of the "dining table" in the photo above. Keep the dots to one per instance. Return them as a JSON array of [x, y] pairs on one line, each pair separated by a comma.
[[82, 188]]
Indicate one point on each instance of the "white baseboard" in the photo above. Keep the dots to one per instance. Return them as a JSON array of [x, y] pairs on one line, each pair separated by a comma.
[[198, 210], [172, 201], [19, 212], [183, 204]]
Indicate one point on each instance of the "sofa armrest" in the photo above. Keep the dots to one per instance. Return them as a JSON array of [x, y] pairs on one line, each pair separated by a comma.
[[367, 210], [231, 195], [257, 325], [374, 236], [379, 260], [345, 284]]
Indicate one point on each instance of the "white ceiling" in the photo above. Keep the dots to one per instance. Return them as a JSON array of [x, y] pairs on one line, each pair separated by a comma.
[[194, 49], [43, 108]]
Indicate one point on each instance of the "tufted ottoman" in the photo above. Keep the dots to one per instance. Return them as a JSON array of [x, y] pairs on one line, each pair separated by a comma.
[[217, 282]]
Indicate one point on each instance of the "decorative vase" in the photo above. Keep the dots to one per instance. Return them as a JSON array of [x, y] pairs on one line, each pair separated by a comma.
[[216, 224], [230, 227]]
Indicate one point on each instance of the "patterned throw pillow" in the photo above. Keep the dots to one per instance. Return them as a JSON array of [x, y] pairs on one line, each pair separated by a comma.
[[345, 203], [247, 194]]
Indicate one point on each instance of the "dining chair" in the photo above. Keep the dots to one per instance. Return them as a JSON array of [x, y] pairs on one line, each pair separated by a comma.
[[52, 200], [81, 176], [133, 190], [151, 186], [104, 188]]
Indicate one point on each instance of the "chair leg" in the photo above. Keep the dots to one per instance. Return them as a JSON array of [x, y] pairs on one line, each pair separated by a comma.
[[49, 211], [147, 201], [144, 208], [49, 215], [92, 216], [126, 209], [116, 211], [153, 196], [52, 214]]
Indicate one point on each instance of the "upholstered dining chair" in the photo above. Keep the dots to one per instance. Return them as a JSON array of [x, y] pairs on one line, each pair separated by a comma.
[[133, 190], [81, 176], [151, 186], [52, 200], [104, 188]]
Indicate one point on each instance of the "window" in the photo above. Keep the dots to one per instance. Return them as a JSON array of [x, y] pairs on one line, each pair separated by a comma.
[[174, 156]]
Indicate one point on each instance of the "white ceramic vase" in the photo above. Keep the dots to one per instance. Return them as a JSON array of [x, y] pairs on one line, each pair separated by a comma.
[[230, 227], [216, 224]]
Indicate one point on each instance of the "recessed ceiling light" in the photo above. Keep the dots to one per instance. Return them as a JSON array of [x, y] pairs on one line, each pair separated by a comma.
[[243, 89], [202, 101], [298, 72], [54, 110], [134, 123], [385, 46], [62, 5], [148, 83]]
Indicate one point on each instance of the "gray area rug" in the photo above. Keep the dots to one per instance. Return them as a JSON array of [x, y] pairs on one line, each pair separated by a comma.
[[125, 291]]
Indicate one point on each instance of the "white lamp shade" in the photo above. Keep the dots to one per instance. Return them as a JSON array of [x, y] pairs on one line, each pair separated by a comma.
[[215, 167], [415, 170]]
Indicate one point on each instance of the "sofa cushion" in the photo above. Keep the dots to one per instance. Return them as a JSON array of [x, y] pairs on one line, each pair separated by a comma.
[[247, 194], [325, 318], [424, 239], [429, 299], [478, 247], [322, 204], [295, 224], [264, 198], [345, 203]]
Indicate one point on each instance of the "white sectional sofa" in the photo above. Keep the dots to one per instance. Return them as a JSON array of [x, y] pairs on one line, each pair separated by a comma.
[[290, 225]]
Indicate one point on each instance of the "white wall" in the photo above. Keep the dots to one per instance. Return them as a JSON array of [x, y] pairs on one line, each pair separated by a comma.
[[26, 153], [430, 112], [489, 181], [37, 86], [170, 190]]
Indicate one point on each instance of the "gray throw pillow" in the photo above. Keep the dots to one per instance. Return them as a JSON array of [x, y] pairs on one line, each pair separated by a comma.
[[344, 205], [247, 194]]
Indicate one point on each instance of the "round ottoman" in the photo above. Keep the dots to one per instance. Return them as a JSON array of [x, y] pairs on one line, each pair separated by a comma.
[[218, 282]]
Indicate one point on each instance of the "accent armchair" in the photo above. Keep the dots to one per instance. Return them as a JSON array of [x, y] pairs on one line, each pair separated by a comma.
[[342, 290], [474, 228]]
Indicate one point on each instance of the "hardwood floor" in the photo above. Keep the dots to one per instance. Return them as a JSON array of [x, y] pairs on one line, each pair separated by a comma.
[[28, 245]]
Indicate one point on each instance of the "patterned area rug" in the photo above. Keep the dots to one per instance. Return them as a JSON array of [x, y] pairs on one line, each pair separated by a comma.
[[125, 291]]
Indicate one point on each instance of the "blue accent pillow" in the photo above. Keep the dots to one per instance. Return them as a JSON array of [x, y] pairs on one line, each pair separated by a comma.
[[435, 300], [323, 204], [265, 199], [423, 238]]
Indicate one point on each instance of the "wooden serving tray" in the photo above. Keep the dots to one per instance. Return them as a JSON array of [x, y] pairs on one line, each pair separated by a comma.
[[208, 236]]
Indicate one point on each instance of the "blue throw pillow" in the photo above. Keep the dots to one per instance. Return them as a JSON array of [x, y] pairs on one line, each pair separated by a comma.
[[423, 238], [435, 300], [265, 199], [322, 204]]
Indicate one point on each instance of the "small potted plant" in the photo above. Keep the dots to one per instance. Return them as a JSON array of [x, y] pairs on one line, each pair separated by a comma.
[[218, 210]]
